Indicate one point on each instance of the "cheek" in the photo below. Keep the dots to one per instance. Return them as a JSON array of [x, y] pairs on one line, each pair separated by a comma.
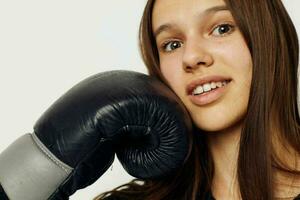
[[172, 72], [238, 61], [241, 63], [235, 54]]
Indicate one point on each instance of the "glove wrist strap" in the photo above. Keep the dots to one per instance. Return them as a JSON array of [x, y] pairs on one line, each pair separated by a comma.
[[29, 171]]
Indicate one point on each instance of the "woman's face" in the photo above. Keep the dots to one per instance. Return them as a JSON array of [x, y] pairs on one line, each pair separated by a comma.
[[197, 40]]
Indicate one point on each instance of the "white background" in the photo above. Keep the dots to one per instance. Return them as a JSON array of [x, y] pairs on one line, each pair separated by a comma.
[[46, 47]]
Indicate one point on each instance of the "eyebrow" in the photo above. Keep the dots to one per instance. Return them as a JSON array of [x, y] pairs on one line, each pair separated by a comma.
[[208, 11]]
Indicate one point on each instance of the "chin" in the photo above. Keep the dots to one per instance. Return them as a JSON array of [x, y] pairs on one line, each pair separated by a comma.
[[211, 128], [213, 125]]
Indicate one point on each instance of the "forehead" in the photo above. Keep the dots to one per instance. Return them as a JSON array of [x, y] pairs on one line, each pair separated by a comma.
[[165, 11]]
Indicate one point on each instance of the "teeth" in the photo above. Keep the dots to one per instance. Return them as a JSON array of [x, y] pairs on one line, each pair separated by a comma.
[[208, 87], [198, 90], [213, 85], [219, 84]]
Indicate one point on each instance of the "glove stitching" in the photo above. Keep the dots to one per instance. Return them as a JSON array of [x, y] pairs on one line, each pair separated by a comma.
[[52, 157]]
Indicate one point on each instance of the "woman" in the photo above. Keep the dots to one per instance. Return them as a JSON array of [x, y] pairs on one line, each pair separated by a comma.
[[244, 54]]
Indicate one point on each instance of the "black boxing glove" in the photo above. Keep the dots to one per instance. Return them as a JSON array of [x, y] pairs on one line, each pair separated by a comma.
[[74, 141]]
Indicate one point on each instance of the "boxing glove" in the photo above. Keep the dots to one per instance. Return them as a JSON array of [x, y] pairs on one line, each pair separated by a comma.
[[74, 142]]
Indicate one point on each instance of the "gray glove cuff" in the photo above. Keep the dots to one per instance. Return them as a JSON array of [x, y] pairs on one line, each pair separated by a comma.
[[29, 171]]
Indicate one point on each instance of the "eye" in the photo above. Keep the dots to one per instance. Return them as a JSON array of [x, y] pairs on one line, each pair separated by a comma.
[[223, 29], [171, 45]]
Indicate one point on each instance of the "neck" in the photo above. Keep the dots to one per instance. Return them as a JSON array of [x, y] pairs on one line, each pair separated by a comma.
[[224, 147]]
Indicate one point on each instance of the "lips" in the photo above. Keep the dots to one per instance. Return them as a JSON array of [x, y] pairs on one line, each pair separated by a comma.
[[207, 79]]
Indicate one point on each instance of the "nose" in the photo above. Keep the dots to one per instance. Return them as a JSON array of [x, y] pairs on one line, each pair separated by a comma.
[[196, 55]]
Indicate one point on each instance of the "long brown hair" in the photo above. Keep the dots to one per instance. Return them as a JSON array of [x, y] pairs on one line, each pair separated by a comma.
[[272, 110]]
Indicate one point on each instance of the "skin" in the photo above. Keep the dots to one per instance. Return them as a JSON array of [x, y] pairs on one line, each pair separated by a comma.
[[199, 44]]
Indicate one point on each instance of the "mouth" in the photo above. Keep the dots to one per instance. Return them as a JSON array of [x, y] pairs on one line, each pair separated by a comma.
[[207, 82], [209, 92]]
